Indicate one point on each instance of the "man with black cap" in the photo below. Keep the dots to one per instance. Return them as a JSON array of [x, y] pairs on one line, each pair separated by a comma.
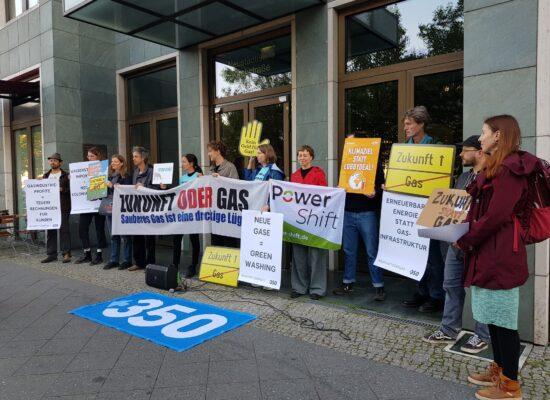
[[451, 323], [56, 172]]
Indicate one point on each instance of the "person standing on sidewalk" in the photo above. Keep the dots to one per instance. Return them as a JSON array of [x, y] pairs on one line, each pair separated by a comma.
[[453, 280], [495, 253], [362, 219], [430, 295], [143, 245], [309, 264], [118, 175], [56, 172], [84, 222]]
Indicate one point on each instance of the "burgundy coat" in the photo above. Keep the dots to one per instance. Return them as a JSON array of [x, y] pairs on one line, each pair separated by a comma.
[[495, 256]]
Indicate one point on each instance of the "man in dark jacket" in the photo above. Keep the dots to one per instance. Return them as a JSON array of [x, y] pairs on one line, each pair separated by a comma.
[[56, 172]]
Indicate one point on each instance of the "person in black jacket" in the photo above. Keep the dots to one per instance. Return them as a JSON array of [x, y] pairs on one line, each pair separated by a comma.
[[144, 246], [118, 175], [56, 172]]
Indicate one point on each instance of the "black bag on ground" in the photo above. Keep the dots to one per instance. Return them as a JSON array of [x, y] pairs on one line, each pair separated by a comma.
[[161, 277]]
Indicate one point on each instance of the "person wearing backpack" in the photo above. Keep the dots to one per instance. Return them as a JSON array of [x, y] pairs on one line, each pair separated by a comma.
[[494, 251]]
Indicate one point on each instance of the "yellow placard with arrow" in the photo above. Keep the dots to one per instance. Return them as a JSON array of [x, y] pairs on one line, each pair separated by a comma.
[[250, 139]]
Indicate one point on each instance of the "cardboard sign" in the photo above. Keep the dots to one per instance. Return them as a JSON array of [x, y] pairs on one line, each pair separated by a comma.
[[220, 265], [97, 173], [261, 248], [419, 169], [163, 173], [250, 139], [42, 204], [444, 214], [359, 162]]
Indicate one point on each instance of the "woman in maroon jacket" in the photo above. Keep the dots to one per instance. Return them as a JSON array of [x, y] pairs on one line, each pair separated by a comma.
[[495, 256], [309, 269]]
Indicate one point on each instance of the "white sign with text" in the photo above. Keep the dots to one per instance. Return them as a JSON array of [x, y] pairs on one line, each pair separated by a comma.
[[80, 182], [43, 204], [261, 248], [400, 249], [163, 173]]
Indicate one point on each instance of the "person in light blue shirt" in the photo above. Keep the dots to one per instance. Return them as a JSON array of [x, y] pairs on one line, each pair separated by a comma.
[[263, 167], [190, 171]]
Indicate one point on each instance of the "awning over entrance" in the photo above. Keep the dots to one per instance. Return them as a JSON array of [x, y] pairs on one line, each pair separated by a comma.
[[180, 23], [20, 92]]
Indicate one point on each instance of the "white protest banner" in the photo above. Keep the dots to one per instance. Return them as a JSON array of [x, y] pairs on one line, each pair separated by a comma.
[[204, 205], [43, 204], [313, 215], [80, 182], [261, 248], [400, 249], [163, 173]]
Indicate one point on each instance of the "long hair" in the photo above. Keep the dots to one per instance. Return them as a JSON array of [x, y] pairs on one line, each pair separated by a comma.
[[123, 170], [508, 143], [269, 152], [191, 158], [96, 152]]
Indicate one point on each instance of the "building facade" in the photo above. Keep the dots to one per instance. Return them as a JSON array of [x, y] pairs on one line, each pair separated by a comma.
[[119, 74]]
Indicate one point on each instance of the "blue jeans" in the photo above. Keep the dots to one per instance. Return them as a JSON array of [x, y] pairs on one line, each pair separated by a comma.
[[366, 225], [451, 323], [115, 246], [431, 284]]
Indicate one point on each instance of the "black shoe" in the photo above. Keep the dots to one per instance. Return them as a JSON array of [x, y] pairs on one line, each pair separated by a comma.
[[294, 294], [124, 265], [66, 257], [416, 301], [98, 259], [86, 257], [191, 271], [49, 259], [380, 294], [432, 305], [346, 288], [315, 296], [110, 265]]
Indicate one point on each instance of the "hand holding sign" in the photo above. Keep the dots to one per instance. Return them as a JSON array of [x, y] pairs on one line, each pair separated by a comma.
[[250, 138]]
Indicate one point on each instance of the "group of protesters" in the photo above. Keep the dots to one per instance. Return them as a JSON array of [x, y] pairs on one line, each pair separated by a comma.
[[489, 258]]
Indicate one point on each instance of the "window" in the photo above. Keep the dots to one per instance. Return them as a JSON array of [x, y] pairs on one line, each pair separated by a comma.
[[405, 31], [17, 7], [153, 91]]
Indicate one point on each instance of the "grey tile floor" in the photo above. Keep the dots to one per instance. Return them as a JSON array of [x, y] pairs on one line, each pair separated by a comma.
[[46, 353]]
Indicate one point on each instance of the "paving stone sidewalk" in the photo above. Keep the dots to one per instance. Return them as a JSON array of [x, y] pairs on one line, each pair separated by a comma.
[[376, 341]]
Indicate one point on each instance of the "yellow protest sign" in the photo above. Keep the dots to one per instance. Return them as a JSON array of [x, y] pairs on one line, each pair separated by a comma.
[[250, 138], [419, 169], [359, 162], [220, 265]]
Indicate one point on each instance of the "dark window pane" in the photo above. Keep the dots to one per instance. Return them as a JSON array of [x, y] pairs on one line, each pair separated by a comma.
[[271, 9], [372, 111], [173, 35], [167, 144], [231, 123], [26, 111], [404, 31], [256, 67], [272, 118], [154, 91], [139, 136]]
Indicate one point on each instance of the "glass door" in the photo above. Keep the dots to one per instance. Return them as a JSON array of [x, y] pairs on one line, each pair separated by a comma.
[[229, 121], [167, 144]]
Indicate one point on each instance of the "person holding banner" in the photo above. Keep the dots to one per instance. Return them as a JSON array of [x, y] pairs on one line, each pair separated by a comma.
[[143, 245], [495, 253], [56, 172], [453, 281], [191, 171], [309, 264], [118, 175], [263, 167], [84, 222], [219, 166], [430, 295]]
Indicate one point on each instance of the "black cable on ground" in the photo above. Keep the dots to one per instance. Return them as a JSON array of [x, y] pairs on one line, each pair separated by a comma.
[[303, 322]]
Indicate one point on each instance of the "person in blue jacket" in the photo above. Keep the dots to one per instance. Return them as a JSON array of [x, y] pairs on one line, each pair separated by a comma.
[[263, 167]]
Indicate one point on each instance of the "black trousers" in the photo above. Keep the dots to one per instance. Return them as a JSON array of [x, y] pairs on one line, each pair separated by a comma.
[[144, 250], [225, 241], [64, 238], [195, 249], [84, 230], [506, 348]]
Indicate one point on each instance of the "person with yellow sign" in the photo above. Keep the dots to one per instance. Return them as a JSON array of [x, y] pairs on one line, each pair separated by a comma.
[[430, 296], [263, 167]]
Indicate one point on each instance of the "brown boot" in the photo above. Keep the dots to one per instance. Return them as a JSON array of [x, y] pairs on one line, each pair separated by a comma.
[[488, 378], [67, 257], [506, 389]]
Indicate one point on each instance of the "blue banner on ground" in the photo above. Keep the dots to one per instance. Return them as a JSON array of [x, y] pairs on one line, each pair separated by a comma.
[[173, 322]]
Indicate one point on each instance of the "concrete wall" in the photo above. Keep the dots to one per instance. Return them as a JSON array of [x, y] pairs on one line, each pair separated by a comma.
[[500, 75]]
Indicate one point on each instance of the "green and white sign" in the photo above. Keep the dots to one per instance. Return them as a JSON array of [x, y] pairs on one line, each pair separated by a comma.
[[313, 215]]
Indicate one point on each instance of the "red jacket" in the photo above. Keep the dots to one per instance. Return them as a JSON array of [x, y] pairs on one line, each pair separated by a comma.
[[495, 256], [314, 177]]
